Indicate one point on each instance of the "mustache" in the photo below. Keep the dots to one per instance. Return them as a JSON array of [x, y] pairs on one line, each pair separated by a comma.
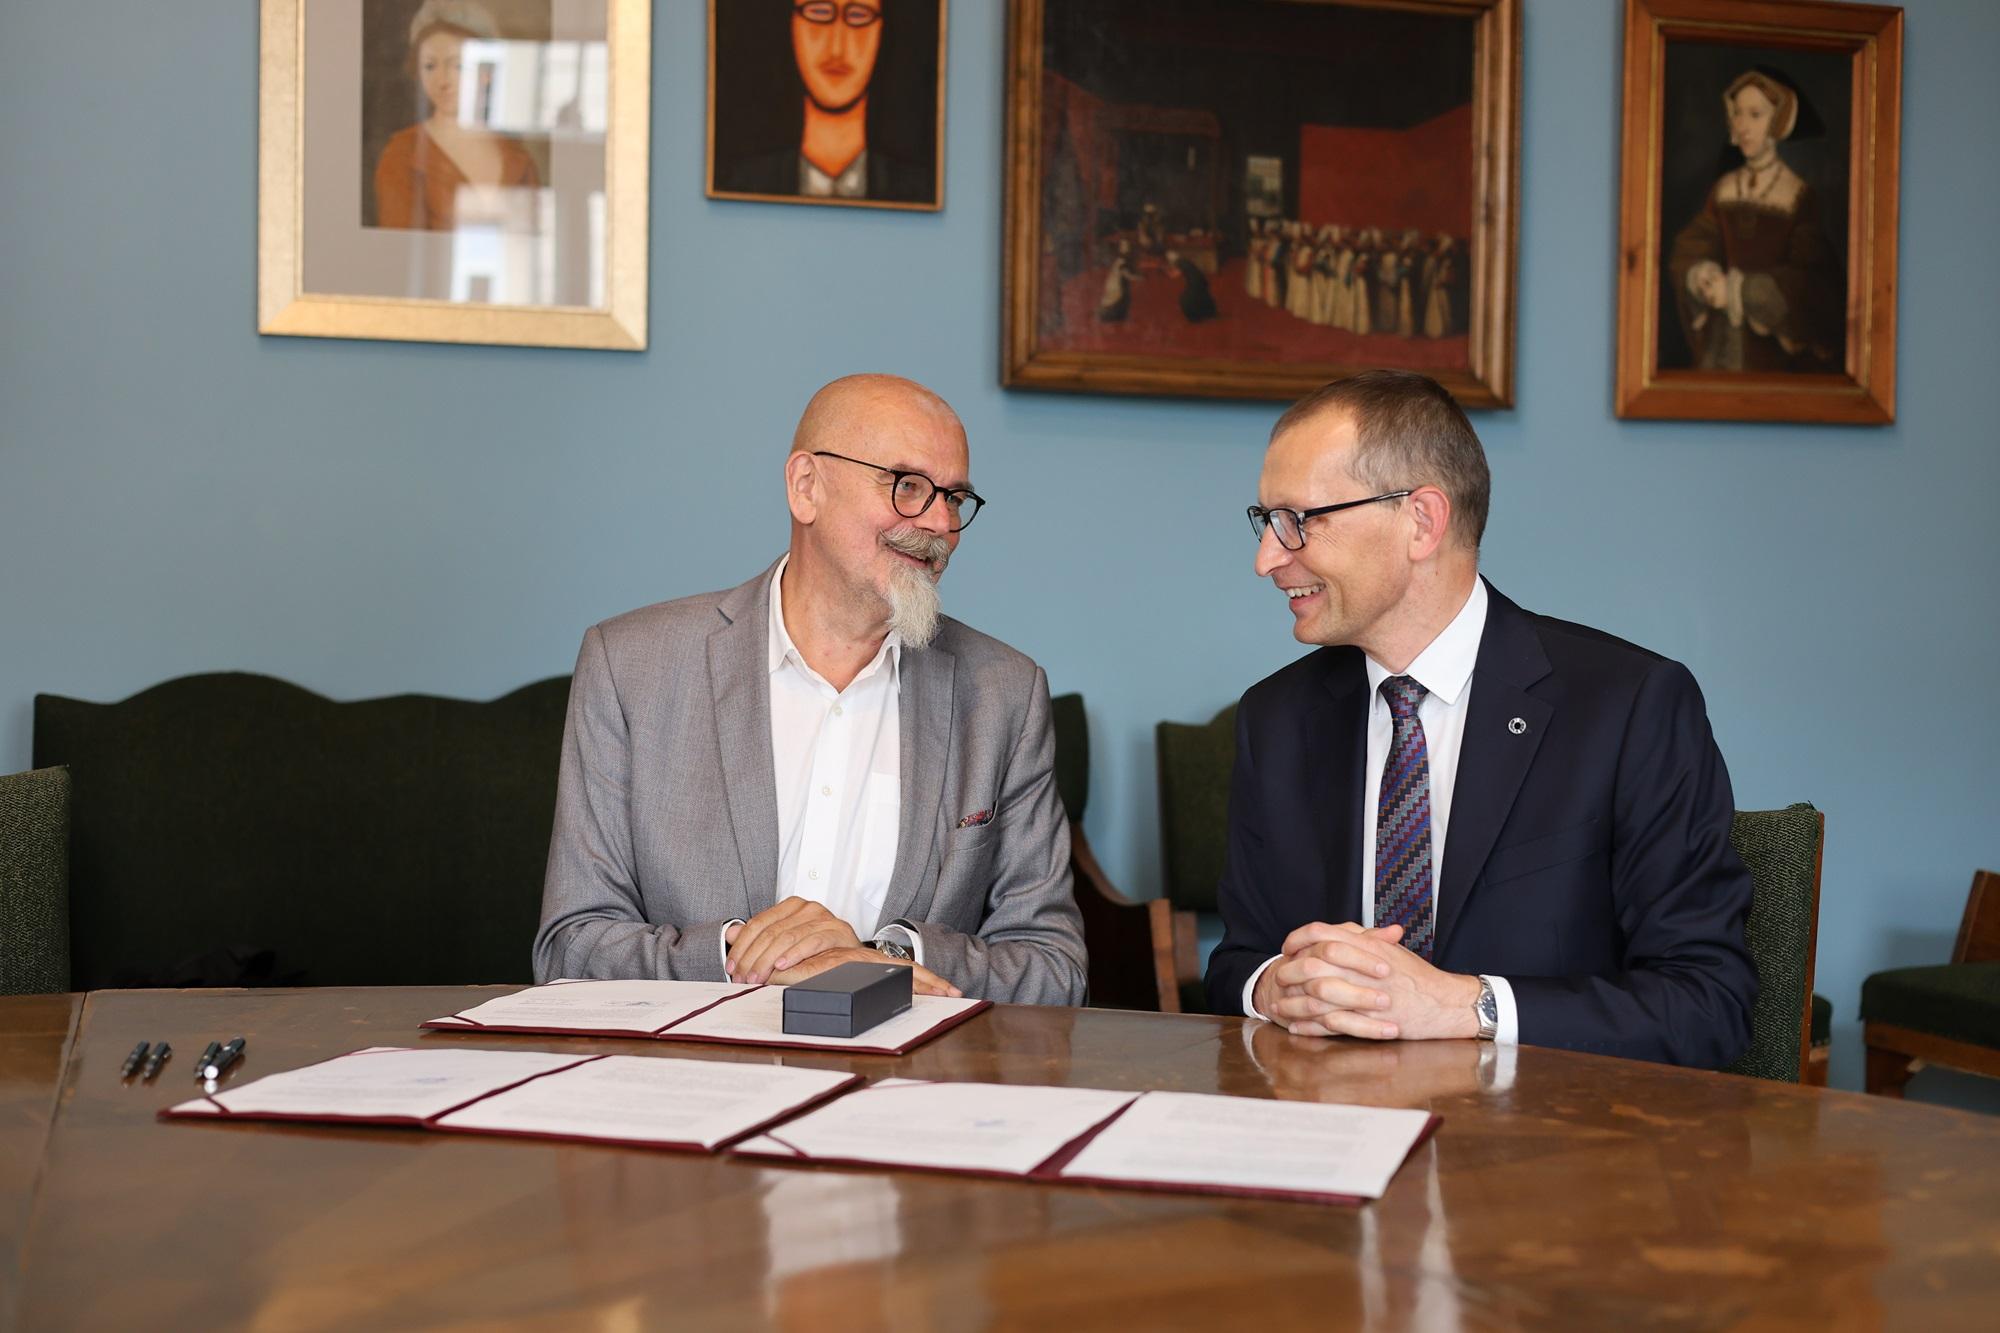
[[928, 547]]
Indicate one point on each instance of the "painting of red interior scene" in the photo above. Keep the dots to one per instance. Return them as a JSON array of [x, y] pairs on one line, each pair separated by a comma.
[[1223, 185]]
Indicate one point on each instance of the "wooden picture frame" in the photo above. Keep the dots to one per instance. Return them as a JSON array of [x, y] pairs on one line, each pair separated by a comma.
[[793, 88], [519, 218], [1273, 132], [1759, 288]]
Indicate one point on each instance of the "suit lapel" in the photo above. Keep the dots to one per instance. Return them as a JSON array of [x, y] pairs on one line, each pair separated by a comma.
[[739, 680], [1337, 777], [927, 678], [1503, 730]]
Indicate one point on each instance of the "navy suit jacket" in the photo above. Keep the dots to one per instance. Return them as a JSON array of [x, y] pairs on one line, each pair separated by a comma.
[[1587, 860]]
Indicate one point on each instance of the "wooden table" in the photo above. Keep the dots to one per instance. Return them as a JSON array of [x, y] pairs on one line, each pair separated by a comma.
[[1567, 1191]]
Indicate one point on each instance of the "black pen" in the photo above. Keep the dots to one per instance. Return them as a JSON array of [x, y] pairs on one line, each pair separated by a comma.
[[155, 1060], [221, 1063], [207, 1059], [134, 1060]]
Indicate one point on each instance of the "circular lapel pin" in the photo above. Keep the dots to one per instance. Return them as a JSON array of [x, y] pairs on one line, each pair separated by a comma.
[[1516, 725]]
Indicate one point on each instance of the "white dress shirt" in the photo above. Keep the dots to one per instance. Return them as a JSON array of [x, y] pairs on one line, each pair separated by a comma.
[[837, 757], [1444, 669]]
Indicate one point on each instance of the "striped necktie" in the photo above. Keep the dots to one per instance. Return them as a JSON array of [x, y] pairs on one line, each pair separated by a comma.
[[1403, 822]]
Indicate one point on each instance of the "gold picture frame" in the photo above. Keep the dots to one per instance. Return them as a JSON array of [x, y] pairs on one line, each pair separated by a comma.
[[1759, 283], [562, 259], [1292, 126], [893, 69]]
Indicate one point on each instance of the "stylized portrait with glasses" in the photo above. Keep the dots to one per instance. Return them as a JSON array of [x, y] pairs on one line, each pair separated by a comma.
[[827, 101]]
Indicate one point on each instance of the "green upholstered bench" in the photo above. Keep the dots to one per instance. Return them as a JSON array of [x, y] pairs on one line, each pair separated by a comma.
[[236, 829], [34, 882]]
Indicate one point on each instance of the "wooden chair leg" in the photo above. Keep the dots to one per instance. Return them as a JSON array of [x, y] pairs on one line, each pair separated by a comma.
[[1814, 1075], [1889, 1071]]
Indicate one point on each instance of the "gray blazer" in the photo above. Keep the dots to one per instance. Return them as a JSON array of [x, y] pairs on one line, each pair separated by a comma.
[[667, 811]]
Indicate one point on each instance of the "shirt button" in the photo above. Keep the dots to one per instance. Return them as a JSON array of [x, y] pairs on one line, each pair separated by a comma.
[[836, 710], [826, 791], [812, 874]]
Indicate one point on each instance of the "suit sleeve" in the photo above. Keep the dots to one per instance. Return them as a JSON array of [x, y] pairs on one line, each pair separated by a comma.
[[1682, 897], [1029, 947], [593, 915], [1251, 930]]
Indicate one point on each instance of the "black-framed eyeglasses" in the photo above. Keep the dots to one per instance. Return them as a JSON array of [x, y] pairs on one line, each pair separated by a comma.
[[1290, 524], [912, 492], [826, 11]]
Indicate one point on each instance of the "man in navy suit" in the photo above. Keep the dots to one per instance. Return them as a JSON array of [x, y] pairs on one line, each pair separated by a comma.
[[1459, 818]]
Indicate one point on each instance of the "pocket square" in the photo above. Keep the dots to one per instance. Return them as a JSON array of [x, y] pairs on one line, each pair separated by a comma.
[[974, 821]]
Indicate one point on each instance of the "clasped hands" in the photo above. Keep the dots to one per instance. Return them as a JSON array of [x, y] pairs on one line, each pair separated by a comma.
[[1348, 980], [798, 938]]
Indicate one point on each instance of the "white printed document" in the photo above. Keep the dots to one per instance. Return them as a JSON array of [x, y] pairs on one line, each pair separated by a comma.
[[982, 1127], [381, 1083], [605, 1008], [638, 1099], [711, 1011], [759, 1016], [650, 1099], [1247, 1145]]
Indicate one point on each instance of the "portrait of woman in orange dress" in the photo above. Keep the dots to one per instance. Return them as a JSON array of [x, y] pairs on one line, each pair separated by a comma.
[[425, 167]]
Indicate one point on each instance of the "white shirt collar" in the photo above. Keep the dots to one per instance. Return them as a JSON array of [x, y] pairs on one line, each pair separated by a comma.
[[780, 648], [1445, 665], [849, 184]]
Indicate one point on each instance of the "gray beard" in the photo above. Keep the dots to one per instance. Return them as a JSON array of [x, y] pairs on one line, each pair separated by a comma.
[[913, 594], [913, 607]]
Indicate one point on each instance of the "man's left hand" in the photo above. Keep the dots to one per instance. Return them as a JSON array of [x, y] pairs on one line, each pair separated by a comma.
[[784, 936], [1424, 1003]]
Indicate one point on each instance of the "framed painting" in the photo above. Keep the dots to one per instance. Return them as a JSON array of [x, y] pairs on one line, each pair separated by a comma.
[[468, 171], [1757, 214], [1248, 198], [827, 102]]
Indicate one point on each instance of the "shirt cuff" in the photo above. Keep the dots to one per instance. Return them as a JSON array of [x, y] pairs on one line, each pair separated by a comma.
[[1508, 1033], [1250, 989], [722, 945], [901, 932]]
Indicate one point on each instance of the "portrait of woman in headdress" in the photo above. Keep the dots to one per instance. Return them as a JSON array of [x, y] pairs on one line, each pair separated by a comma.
[[1755, 282]]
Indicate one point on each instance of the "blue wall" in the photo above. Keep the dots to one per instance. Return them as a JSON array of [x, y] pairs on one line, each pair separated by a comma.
[[178, 494]]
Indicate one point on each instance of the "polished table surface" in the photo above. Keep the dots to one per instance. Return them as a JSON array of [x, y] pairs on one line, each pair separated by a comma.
[[1562, 1190]]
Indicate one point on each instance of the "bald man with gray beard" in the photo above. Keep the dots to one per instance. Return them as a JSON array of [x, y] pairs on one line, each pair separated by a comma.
[[818, 766]]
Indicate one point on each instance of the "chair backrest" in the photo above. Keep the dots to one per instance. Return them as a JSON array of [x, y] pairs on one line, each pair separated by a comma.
[[1194, 763], [1072, 754], [1979, 928], [34, 882], [1783, 850], [391, 841]]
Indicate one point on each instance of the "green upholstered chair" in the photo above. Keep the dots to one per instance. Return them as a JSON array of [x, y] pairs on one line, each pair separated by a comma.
[[1138, 947], [235, 829], [34, 882], [1783, 849], [1195, 761], [1945, 1015]]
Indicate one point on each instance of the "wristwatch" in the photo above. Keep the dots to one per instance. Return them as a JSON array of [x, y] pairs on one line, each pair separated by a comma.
[[1487, 1010], [890, 949]]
